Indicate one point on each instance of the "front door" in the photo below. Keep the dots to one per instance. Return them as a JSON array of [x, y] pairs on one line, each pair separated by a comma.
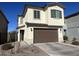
[[21, 35]]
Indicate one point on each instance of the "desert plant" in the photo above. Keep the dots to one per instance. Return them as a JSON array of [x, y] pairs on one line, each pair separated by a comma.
[[74, 39], [65, 38], [7, 46], [75, 42]]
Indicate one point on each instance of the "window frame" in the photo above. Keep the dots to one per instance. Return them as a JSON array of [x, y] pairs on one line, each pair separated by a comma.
[[57, 14], [36, 14]]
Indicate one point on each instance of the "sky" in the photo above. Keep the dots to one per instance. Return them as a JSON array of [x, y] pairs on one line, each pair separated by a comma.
[[12, 9]]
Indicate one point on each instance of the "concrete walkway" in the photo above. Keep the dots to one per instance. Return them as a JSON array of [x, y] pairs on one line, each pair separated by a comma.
[[59, 49]]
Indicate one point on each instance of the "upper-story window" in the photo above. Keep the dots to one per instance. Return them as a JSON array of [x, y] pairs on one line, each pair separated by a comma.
[[56, 14], [36, 14]]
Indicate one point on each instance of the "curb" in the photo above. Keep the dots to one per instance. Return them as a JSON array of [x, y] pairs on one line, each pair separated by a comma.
[[69, 45]]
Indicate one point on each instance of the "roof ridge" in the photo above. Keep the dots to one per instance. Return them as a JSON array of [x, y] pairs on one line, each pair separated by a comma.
[[71, 15], [43, 7]]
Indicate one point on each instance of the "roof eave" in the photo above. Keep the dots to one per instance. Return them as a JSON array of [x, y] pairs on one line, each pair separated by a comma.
[[72, 15], [42, 8], [4, 16]]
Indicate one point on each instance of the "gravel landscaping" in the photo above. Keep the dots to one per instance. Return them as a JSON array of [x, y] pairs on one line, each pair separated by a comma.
[[22, 51]]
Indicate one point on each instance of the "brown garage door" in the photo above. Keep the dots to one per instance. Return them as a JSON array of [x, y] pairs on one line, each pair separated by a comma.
[[45, 35]]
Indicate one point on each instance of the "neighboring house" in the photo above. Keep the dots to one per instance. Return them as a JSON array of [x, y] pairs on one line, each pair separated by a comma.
[[3, 28], [41, 24], [72, 26]]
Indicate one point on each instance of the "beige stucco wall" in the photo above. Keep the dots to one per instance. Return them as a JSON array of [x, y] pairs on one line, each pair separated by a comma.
[[60, 34], [54, 21], [28, 37], [30, 14], [45, 16], [44, 19], [20, 18]]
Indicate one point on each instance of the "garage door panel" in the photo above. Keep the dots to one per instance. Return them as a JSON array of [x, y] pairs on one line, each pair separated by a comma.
[[45, 35]]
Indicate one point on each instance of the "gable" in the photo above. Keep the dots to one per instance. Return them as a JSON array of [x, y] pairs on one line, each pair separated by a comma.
[[41, 8], [56, 4], [56, 8]]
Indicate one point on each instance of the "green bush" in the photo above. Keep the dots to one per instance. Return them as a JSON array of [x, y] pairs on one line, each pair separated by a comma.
[[75, 42], [74, 39], [65, 38]]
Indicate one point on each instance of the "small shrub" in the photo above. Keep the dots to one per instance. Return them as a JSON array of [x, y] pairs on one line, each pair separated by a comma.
[[75, 42], [65, 38], [74, 39], [7, 47]]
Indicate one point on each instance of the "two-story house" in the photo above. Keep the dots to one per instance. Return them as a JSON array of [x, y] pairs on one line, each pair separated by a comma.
[[3, 28], [72, 26], [41, 24]]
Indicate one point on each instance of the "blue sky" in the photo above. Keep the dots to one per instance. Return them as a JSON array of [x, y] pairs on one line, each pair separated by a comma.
[[12, 9]]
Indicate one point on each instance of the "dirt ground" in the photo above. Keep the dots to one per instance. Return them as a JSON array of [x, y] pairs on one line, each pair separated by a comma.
[[22, 51]]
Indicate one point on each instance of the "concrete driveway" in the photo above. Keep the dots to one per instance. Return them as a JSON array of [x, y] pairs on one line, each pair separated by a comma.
[[59, 49]]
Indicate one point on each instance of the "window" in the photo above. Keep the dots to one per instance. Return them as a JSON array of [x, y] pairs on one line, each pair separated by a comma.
[[56, 14], [36, 14]]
